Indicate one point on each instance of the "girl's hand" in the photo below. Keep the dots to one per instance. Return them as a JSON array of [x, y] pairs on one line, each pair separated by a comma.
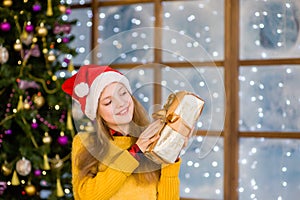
[[148, 136]]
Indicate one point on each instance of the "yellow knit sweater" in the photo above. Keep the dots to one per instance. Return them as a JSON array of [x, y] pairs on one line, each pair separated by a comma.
[[113, 184]]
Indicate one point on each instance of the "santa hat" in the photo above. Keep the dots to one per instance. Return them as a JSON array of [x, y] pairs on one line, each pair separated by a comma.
[[87, 84]]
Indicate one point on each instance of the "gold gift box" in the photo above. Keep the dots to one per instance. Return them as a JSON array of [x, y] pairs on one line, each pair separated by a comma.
[[179, 115]]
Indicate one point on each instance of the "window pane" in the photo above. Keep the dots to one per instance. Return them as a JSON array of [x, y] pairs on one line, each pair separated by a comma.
[[123, 34], [207, 83], [202, 21], [269, 98], [80, 2], [141, 82], [269, 29], [269, 169], [201, 174], [82, 34]]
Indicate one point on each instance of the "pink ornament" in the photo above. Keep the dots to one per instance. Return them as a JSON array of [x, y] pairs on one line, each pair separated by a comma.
[[68, 11], [34, 125], [3, 187], [8, 132], [36, 7], [5, 26], [67, 60], [37, 172], [29, 28], [66, 40], [62, 140]]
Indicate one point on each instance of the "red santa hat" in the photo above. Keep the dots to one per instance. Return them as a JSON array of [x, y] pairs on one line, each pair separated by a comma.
[[87, 84]]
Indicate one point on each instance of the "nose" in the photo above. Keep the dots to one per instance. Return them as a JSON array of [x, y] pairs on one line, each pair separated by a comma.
[[120, 102]]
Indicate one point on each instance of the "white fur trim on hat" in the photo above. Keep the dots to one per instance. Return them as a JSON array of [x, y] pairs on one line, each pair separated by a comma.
[[98, 86], [81, 89]]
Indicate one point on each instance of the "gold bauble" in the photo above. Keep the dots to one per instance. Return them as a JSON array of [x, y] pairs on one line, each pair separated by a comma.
[[38, 100], [7, 3], [62, 8], [30, 190], [41, 30], [26, 105], [47, 138], [6, 169], [51, 57], [18, 45], [23, 167]]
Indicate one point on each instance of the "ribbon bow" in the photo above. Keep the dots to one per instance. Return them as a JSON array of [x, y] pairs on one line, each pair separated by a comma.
[[172, 119]]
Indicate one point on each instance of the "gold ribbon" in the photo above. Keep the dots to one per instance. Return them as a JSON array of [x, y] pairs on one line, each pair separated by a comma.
[[172, 119]]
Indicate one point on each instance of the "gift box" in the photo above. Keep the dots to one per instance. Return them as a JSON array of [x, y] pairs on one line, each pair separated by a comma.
[[179, 115]]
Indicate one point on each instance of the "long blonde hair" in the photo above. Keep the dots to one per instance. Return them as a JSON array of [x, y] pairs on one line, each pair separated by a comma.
[[98, 141]]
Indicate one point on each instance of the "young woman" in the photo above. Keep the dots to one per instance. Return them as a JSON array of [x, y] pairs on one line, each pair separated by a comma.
[[109, 163]]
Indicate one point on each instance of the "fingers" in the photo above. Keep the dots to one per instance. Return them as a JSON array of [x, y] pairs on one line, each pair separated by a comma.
[[144, 143], [152, 129]]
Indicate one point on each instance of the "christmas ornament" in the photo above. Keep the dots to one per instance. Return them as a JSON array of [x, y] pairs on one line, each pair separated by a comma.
[[30, 189], [5, 26], [47, 138], [46, 165], [36, 7], [7, 3], [26, 104], [68, 11], [29, 27], [18, 45], [49, 11], [62, 28], [71, 67], [6, 169], [65, 40], [62, 140], [26, 38], [3, 187], [34, 124], [57, 163], [3, 55], [38, 100], [15, 179], [37, 172], [23, 167], [51, 57], [62, 8], [20, 103], [41, 30], [8, 132], [24, 84], [59, 189]]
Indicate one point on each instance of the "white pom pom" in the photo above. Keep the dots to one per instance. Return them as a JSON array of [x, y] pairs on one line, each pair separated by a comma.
[[81, 89]]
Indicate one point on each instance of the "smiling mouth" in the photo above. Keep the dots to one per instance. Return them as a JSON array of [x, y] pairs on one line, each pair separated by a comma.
[[123, 112]]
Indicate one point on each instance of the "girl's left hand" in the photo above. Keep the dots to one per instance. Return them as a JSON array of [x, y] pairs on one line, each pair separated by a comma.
[[148, 136]]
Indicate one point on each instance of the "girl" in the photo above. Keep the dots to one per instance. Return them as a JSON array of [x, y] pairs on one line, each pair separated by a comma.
[[109, 163]]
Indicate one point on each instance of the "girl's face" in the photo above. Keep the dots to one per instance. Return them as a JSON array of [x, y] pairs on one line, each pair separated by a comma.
[[115, 105]]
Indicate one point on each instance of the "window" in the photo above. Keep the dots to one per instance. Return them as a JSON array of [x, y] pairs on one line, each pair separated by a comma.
[[241, 57]]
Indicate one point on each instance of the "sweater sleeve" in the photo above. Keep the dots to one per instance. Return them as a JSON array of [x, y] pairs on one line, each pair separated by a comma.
[[105, 183], [168, 186]]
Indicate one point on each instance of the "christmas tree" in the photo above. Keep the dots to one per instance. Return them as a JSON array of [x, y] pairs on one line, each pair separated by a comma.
[[36, 128]]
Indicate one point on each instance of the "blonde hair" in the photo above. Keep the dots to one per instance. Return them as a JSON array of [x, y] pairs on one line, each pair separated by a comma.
[[88, 159]]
